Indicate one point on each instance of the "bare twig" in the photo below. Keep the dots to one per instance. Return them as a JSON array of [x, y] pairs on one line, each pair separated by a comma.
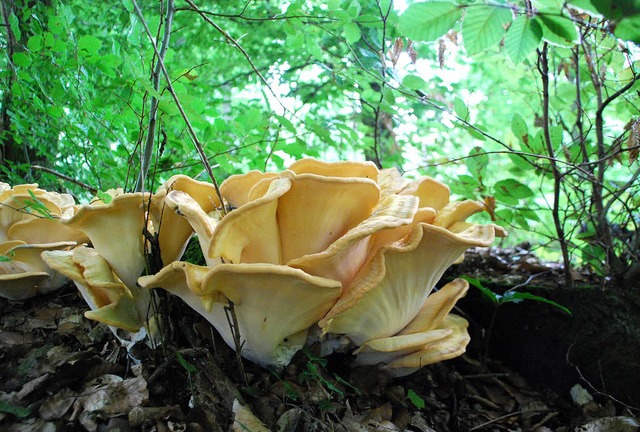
[[239, 47], [591, 386], [191, 131], [506, 416], [232, 320], [543, 68], [66, 178], [145, 160]]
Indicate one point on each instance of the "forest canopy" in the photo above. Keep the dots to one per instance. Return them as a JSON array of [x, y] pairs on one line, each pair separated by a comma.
[[529, 106]]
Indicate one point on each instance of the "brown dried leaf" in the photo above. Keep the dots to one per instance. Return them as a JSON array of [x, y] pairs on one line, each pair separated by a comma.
[[396, 50], [413, 54], [442, 48], [111, 394], [32, 385], [634, 141], [244, 419], [490, 206], [57, 405]]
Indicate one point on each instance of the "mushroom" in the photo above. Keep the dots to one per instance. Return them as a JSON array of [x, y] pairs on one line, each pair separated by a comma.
[[116, 233], [433, 335], [24, 274], [388, 291], [431, 192], [112, 302], [236, 188], [348, 169], [344, 257], [409, 353], [185, 207], [173, 231], [45, 230], [298, 215], [274, 305], [25, 203]]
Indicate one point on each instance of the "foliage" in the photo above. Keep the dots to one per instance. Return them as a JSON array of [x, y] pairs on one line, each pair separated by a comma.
[[512, 296], [528, 105]]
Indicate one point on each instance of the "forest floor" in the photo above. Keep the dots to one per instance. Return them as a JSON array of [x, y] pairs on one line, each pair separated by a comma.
[[530, 367]]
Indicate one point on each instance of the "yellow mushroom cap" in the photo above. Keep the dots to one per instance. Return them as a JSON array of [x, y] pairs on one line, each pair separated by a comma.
[[433, 335], [431, 192], [389, 290], [173, 230], [26, 274], [116, 233], [447, 348], [236, 189], [274, 305], [298, 215], [111, 301], [183, 205], [350, 169], [344, 257]]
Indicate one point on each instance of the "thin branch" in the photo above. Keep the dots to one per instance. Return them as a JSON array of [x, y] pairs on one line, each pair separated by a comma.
[[66, 178], [147, 154], [246, 18], [232, 320], [191, 131], [543, 68], [239, 47]]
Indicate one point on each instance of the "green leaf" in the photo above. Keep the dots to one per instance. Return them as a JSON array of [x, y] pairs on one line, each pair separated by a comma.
[[511, 190], [617, 9], [333, 4], [428, 21], [286, 123], [519, 127], [56, 25], [484, 26], [414, 82], [558, 30], [15, 26], [21, 59], [36, 205], [515, 296], [415, 399], [484, 290], [17, 411], [89, 44], [35, 43], [8, 257], [128, 5], [474, 132], [522, 38], [105, 197], [461, 108], [185, 364], [477, 162], [351, 32], [629, 29]]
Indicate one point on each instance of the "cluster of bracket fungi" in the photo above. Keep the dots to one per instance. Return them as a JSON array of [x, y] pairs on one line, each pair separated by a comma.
[[342, 249]]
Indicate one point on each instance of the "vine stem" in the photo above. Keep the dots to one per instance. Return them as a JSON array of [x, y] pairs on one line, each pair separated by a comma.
[[183, 114]]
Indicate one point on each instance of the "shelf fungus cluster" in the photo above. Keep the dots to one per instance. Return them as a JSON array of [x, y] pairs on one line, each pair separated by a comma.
[[343, 248]]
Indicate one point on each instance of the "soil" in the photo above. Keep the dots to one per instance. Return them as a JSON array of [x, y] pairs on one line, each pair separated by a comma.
[[530, 367]]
